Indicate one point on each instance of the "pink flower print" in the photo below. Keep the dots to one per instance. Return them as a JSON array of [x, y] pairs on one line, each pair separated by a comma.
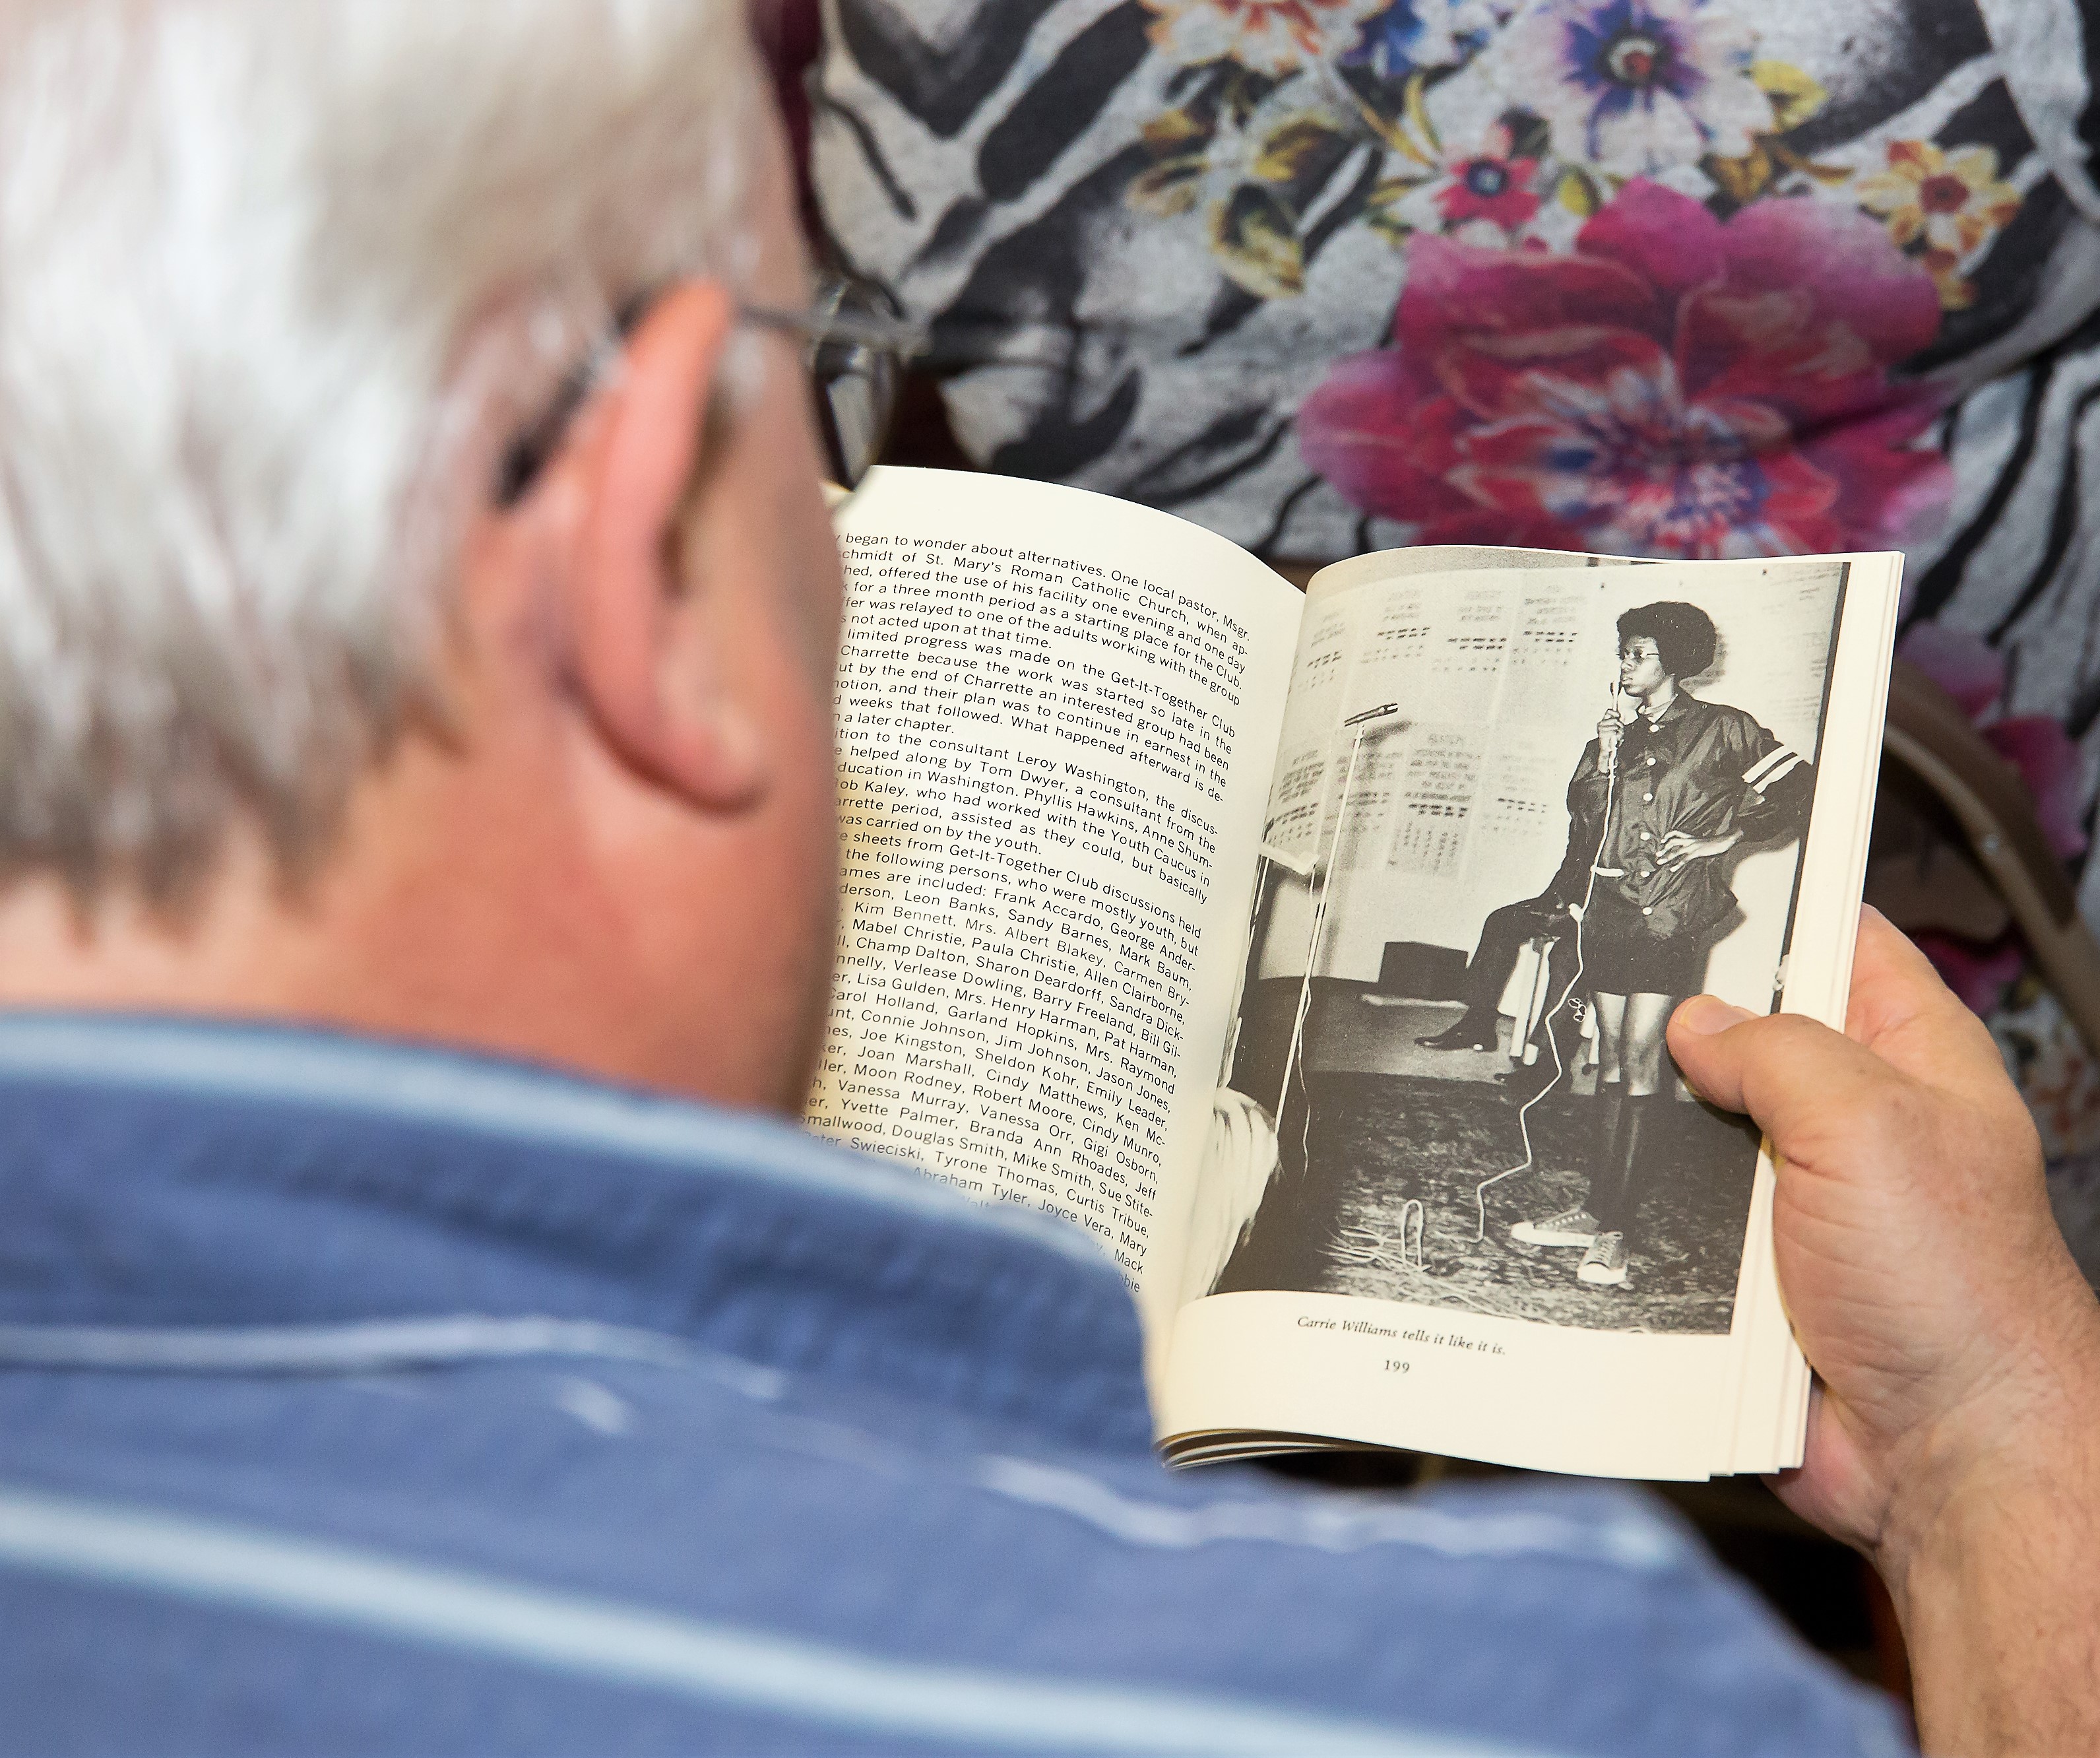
[[1679, 385], [1965, 665], [1271, 36], [1489, 185], [2039, 747], [1636, 88], [1979, 974], [1973, 672], [2050, 766]]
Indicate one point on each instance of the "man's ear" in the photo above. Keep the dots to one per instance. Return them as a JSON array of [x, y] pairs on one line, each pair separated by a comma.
[[672, 719]]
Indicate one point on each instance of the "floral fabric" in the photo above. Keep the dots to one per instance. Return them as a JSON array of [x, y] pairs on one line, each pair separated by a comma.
[[1673, 384], [1684, 277], [1667, 277]]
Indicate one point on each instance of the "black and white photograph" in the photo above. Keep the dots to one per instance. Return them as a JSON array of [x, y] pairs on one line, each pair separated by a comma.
[[1516, 821]]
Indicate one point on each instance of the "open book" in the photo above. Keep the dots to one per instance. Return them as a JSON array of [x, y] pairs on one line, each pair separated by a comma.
[[1158, 873]]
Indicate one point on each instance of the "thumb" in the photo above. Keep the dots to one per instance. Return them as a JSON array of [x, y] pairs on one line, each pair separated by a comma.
[[1787, 1071], [1706, 1054]]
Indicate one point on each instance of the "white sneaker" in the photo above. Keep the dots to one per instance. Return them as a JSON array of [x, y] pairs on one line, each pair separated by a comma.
[[1575, 1226], [1604, 1264]]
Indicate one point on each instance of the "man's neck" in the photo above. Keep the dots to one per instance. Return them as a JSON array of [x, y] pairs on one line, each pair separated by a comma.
[[420, 929]]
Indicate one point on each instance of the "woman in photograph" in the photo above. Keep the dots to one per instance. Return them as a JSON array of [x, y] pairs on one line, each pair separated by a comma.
[[1659, 797]]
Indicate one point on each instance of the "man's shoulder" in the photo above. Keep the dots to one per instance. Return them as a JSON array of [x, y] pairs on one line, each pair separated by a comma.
[[597, 1548], [578, 1422]]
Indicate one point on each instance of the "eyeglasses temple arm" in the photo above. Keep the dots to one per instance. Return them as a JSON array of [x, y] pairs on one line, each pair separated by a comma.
[[866, 331]]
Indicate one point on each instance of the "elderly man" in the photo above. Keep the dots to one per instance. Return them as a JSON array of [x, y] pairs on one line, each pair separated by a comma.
[[417, 799]]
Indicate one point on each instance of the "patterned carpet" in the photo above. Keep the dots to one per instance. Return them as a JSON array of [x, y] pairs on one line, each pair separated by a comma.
[[1377, 1142]]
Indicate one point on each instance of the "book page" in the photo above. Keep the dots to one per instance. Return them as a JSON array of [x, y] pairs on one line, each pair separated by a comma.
[[1386, 1281], [1058, 714]]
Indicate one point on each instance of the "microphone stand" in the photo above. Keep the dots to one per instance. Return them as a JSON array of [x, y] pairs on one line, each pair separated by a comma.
[[1367, 723]]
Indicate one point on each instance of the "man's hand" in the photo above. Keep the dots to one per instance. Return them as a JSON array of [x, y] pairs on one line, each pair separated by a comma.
[[1955, 1436]]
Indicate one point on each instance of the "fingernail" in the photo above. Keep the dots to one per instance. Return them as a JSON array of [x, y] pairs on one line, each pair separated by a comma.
[[1704, 1015]]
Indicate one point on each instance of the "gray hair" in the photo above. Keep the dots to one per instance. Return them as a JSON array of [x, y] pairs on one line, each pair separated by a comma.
[[275, 274]]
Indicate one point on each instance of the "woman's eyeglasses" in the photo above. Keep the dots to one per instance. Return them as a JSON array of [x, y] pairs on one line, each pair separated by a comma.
[[855, 345]]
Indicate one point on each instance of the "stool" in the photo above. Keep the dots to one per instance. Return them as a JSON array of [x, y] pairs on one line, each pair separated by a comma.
[[1529, 994]]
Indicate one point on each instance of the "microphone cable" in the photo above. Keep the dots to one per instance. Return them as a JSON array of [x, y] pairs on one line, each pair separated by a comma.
[[1530, 1160]]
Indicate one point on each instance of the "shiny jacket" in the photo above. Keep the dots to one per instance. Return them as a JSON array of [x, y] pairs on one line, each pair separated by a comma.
[[1701, 767]]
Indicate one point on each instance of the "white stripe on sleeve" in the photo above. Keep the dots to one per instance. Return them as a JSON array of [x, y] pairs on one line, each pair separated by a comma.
[[1766, 762], [1793, 761]]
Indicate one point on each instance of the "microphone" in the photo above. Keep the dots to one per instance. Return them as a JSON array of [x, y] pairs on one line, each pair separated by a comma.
[[1384, 711], [1612, 759]]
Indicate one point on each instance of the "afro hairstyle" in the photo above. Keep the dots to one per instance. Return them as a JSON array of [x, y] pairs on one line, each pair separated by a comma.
[[1684, 634]]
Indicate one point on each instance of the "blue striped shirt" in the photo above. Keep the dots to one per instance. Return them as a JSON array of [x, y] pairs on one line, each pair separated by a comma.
[[358, 1398]]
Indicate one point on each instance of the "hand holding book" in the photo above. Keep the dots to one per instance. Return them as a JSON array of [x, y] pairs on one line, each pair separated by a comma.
[[1958, 1348]]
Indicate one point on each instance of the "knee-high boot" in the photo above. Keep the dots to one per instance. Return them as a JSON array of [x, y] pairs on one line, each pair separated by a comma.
[[1610, 1120], [1615, 1191]]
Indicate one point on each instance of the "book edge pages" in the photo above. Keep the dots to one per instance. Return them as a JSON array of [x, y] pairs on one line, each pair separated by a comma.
[[1769, 1423]]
